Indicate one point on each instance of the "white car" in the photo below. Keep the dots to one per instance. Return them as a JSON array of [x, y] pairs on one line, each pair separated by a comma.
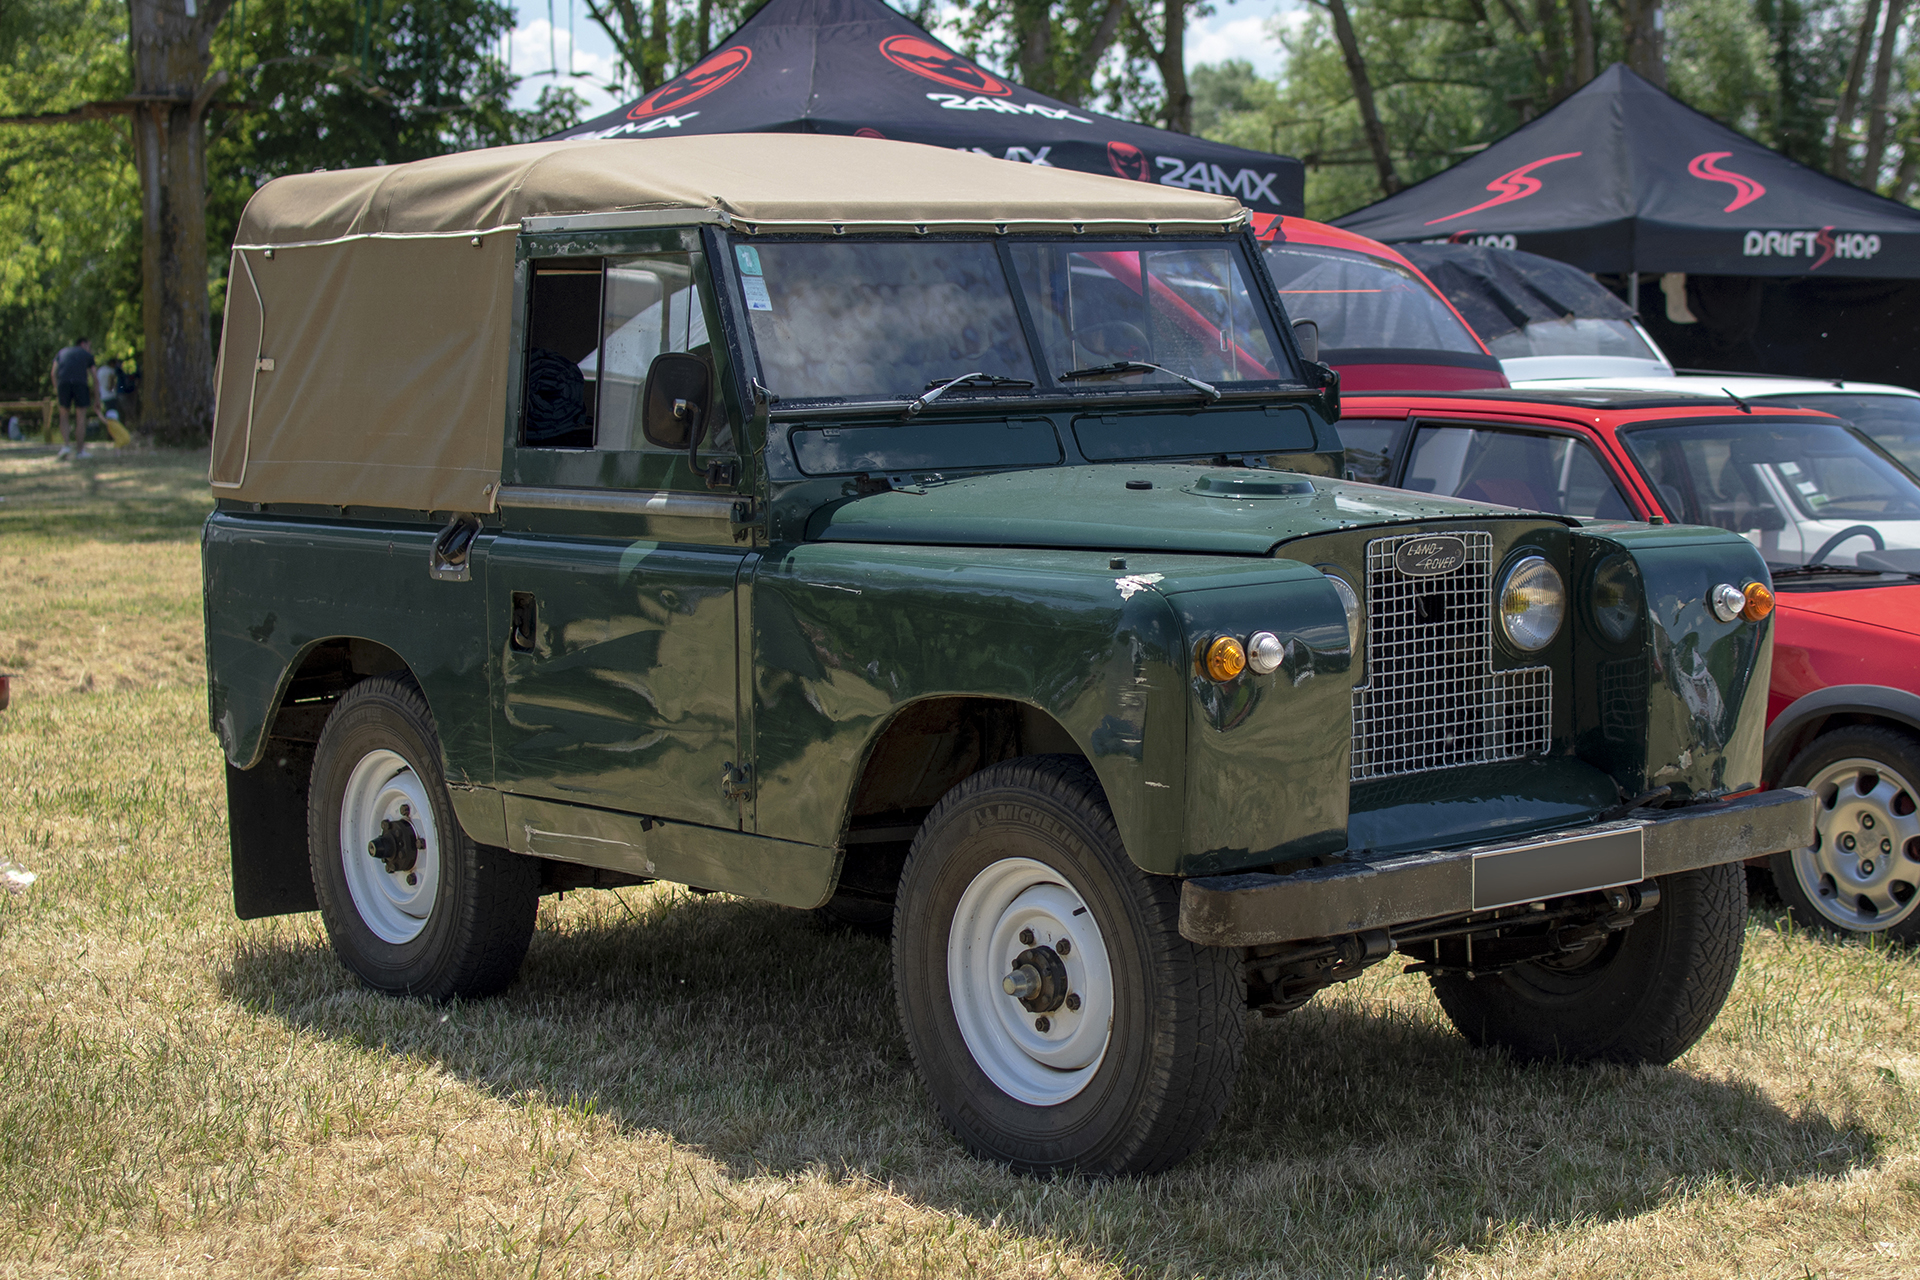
[[1806, 509]]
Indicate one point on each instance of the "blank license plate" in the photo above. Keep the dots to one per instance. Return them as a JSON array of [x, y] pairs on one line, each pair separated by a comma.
[[1553, 868]]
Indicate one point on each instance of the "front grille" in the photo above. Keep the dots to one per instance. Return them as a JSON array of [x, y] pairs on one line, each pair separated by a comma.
[[1432, 698]]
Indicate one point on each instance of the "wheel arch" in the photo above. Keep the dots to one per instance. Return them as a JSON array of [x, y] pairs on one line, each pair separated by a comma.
[[923, 750], [1807, 717]]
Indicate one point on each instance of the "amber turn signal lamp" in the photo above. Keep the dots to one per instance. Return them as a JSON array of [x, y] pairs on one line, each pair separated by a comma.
[[1759, 602], [1225, 658]]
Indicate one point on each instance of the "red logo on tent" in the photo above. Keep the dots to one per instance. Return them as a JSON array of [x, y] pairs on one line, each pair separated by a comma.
[[1745, 189], [868, 131], [925, 58], [1127, 160], [697, 83], [1514, 184], [1823, 240]]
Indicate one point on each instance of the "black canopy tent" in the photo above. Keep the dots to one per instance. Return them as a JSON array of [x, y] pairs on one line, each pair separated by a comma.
[[1787, 270], [858, 67]]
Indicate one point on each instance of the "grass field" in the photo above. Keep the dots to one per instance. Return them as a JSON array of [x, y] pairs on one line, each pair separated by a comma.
[[705, 1086]]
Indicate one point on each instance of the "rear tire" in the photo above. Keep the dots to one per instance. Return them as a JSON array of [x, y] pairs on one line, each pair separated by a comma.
[[1644, 994], [450, 918], [1124, 1063], [1862, 872]]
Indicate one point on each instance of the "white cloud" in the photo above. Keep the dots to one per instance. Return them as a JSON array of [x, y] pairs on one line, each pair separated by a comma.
[[539, 49], [1244, 31]]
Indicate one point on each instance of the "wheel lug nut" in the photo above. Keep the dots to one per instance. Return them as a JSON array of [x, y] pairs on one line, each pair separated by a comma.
[[1866, 867], [1847, 842], [1073, 1001], [1866, 820], [412, 878], [1063, 947], [1886, 846], [1026, 937], [1042, 1025], [406, 811]]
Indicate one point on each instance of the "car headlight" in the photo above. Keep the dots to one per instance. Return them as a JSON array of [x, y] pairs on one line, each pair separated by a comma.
[[1533, 600], [1616, 597], [1351, 603]]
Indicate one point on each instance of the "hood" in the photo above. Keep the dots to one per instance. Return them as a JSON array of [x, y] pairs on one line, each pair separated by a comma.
[[1203, 510]]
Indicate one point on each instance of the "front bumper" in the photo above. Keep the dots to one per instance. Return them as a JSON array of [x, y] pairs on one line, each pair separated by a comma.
[[1378, 893]]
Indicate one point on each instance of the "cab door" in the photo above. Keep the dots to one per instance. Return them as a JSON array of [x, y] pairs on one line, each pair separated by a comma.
[[612, 584]]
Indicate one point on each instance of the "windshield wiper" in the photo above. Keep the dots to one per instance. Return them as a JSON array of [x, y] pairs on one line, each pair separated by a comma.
[[1843, 570], [940, 386], [1121, 368]]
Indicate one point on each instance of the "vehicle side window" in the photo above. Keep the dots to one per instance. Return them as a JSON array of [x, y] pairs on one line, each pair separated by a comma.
[[1552, 473], [594, 329], [563, 316], [1373, 446]]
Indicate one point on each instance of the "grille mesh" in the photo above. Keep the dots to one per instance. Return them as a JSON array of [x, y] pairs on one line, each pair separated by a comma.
[[1432, 698]]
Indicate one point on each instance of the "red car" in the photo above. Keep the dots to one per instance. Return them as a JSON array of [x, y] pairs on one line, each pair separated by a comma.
[[1844, 704]]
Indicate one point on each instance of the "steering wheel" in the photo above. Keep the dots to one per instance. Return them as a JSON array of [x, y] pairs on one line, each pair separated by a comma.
[[1852, 531], [1114, 339]]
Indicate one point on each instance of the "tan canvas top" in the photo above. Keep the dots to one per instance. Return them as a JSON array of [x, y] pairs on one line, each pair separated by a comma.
[[363, 358], [751, 178]]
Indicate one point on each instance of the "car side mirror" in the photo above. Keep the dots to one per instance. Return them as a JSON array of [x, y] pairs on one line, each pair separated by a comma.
[[674, 402], [1767, 519], [1307, 334]]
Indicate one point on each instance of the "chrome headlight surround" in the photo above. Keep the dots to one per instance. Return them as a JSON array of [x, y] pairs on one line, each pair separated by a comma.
[[1533, 604], [1349, 601]]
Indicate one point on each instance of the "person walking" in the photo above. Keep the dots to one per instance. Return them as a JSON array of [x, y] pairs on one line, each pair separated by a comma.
[[108, 407], [73, 384]]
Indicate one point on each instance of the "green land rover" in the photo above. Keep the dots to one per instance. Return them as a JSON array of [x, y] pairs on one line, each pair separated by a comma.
[[957, 545]]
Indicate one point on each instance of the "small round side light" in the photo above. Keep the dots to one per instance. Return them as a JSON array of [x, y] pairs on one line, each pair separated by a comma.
[[1759, 602], [1265, 652], [1225, 659], [1727, 601]]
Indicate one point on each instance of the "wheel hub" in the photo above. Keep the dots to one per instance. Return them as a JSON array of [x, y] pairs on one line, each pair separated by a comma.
[[396, 846], [1030, 980], [1863, 868], [389, 846]]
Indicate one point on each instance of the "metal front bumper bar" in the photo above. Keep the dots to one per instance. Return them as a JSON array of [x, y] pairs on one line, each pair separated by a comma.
[[1377, 893]]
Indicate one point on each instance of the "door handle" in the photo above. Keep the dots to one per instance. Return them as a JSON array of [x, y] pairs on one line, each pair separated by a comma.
[[448, 561], [524, 622]]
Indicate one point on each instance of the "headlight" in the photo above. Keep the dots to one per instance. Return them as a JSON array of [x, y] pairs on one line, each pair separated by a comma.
[[1533, 600], [1616, 597], [1351, 603]]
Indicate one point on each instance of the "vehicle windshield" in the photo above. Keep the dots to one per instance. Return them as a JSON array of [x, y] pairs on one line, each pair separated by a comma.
[[1892, 422], [1805, 492], [1361, 301], [889, 320], [1574, 336]]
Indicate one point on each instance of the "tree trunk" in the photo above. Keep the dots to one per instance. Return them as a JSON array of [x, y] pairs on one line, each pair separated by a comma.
[[1850, 93], [1580, 23], [657, 48], [1547, 14], [1092, 51], [1173, 66], [171, 49], [1642, 28], [1877, 104], [705, 20], [1363, 95], [1033, 43]]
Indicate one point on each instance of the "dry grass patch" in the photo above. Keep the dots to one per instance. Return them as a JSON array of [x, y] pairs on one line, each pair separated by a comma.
[[681, 1085]]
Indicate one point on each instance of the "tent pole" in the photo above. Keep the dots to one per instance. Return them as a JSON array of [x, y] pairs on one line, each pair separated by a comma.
[[1633, 291]]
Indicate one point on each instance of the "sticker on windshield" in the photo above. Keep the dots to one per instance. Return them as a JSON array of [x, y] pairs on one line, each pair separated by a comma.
[[756, 290], [749, 259]]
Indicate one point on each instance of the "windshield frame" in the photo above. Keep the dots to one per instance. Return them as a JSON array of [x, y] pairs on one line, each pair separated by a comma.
[[1049, 392]]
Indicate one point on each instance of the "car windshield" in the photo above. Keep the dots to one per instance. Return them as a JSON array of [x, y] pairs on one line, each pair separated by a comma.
[[1806, 492], [1574, 336], [888, 320], [1361, 301], [1890, 421]]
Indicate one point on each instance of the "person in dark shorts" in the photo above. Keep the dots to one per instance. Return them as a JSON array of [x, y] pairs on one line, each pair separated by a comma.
[[73, 383]]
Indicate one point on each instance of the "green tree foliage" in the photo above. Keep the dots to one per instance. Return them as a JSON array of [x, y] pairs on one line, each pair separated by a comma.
[[69, 199]]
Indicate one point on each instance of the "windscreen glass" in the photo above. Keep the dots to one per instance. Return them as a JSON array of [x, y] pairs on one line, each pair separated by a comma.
[[1360, 301], [863, 320], [867, 320], [1514, 469], [1574, 336], [1183, 307], [1892, 422], [1802, 491]]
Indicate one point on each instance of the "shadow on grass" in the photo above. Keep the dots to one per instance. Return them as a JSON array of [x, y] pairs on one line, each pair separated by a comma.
[[1364, 1137], [153, 495]]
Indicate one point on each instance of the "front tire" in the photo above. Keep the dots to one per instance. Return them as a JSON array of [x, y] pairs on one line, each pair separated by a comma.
[[1861, 873], [1642, 995], [411, 904], [1122, 1058]]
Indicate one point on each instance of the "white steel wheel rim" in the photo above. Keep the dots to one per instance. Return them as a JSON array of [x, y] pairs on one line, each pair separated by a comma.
[[1861, 871], [383, 787], [1041, 1068]]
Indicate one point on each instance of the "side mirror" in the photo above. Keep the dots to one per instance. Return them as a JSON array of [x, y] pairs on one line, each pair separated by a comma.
[[674, 402], [1307, 334]]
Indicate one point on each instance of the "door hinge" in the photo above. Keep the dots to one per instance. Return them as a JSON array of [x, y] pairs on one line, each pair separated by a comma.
[[448, 560], [736, 780]]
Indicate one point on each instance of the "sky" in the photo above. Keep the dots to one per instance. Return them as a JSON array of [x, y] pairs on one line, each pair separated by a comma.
[[584, 56]]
